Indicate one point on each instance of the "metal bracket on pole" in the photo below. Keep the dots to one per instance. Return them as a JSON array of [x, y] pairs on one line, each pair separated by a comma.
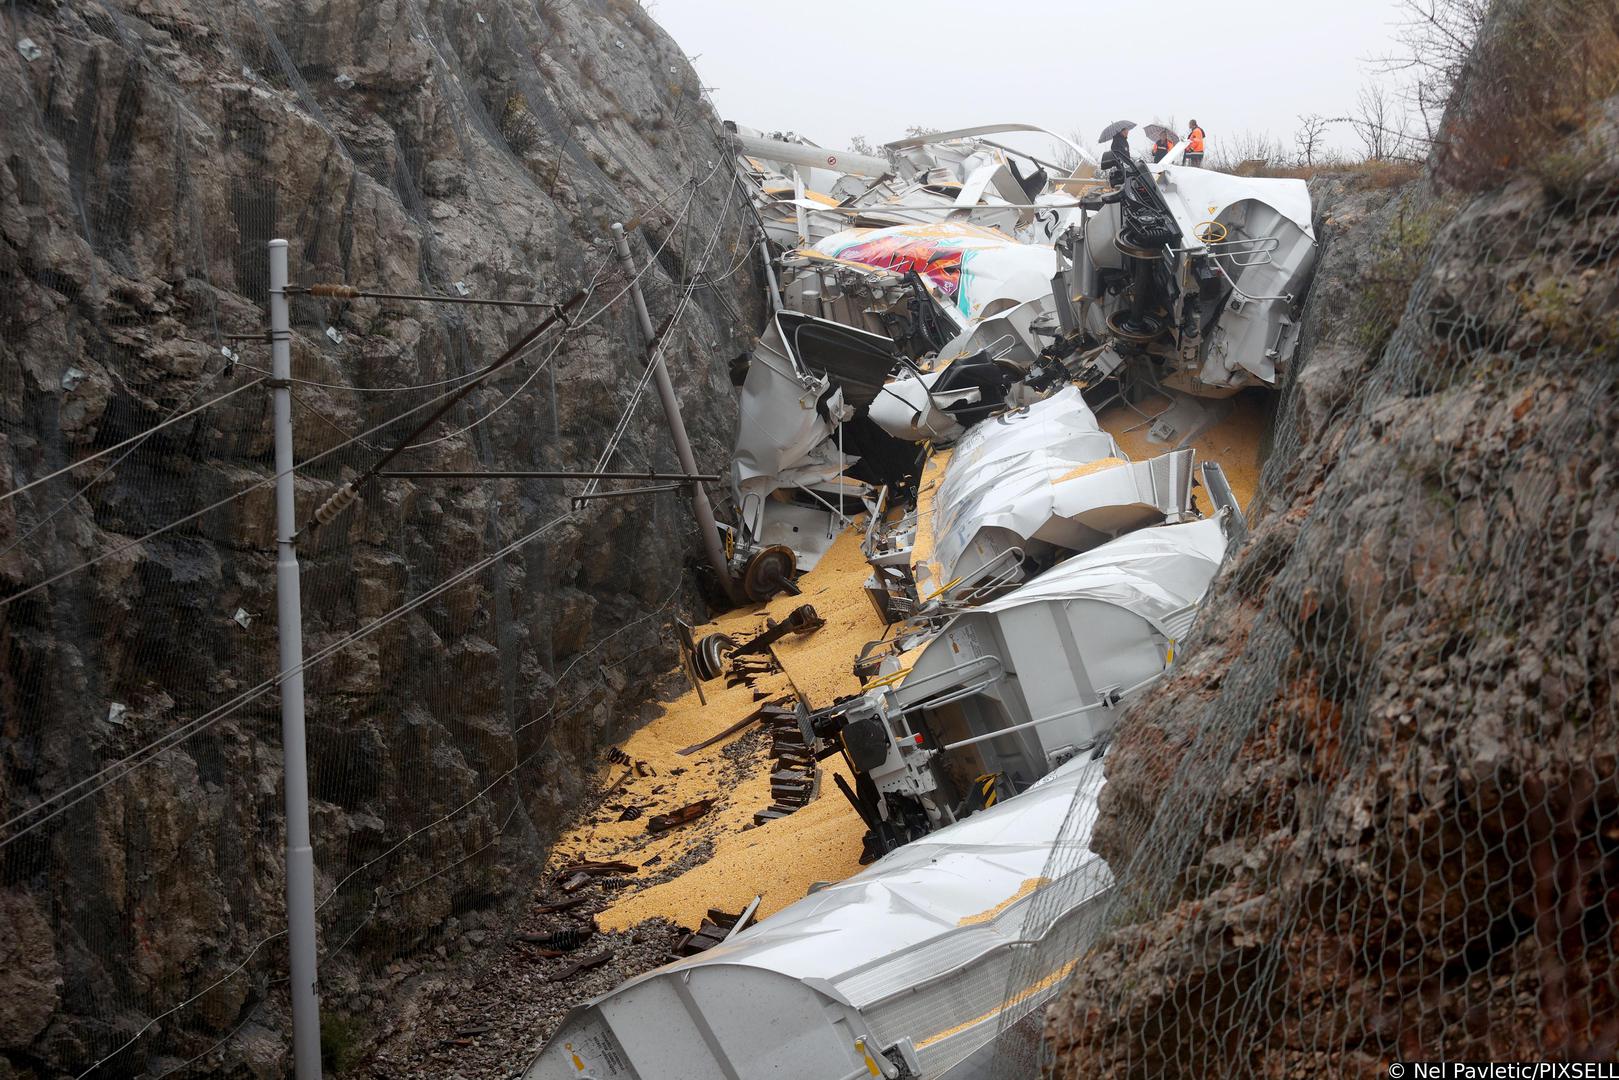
[[677, 426], [289, 622], [582, 499], [776, 304]]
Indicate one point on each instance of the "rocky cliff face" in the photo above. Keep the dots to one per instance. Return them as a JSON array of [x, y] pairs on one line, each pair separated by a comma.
[[150, 149], [1374, 814]]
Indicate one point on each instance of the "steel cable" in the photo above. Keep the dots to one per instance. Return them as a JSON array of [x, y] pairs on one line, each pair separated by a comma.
[[132, 439]]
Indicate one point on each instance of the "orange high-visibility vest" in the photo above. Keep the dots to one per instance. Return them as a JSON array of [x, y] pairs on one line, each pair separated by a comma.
[[1194, 143]]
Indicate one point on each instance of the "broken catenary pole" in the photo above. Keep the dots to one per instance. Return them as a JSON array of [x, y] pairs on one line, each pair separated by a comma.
[[677, 426]]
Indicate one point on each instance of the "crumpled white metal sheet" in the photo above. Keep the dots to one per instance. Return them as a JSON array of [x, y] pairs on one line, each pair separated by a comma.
[[782, 436], [1199, 195], [909, 408], [1015, 478], [936, 886], [1159, 574]]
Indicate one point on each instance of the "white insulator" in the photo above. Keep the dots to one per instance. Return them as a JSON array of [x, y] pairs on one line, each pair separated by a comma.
[[340, 501]]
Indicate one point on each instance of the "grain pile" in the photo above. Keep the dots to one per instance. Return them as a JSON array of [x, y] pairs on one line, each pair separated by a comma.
[[925, 568], [1090, 467], [777, 861], [1236, 441], [722, 860], [821, 665]]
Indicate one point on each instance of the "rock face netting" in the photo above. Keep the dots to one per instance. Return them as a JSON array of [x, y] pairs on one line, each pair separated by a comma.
[[149, 152], [1372, 814]]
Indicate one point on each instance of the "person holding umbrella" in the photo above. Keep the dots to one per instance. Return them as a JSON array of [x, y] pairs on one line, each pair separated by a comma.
[[1117, 135], [1163, 141]]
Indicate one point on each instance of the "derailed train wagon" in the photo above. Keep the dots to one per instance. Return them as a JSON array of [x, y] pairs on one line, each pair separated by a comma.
[[900, 971], [897, 972], [1010, 689]]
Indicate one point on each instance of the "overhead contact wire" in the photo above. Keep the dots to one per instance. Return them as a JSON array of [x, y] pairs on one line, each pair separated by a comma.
[[119, 460], [168, 741], [132, 439]]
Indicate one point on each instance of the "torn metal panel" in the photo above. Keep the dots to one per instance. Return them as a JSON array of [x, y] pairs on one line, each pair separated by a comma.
[[977, 132], [786, 420], [1158, 574], [909, 408], [802, 427], [964, 176], [787, 413], [1012, 332], [1040, 479]]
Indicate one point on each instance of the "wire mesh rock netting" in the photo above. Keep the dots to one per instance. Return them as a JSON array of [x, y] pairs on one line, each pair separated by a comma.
[[469, 643], [1372, 814]]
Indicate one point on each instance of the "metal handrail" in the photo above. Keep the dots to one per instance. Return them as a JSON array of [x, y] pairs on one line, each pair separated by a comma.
[[1256, 245], [972, 597], [986, 582], [988, 659], [871, 526], [951, 696], [1285, 297], [1259, 248], [1063, 715]]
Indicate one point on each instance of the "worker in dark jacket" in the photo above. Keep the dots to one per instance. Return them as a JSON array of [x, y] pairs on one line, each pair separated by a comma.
[[1121, 144], [1194, 146]]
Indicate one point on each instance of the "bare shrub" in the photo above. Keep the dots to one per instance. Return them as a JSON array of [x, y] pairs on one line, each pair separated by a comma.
[[1383, 125], [518, 126], [1310, 139], [1437, 39], [1244, 152]]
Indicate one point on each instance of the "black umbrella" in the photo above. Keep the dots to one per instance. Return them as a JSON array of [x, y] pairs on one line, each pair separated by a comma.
[[1114, 128], [1159, 133]]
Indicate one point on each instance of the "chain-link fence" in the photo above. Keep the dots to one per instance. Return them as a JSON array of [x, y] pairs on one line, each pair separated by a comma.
[[1372, 814], [467, 642]]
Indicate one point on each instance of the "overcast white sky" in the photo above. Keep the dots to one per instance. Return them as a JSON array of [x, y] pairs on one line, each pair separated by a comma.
[[838, 68]]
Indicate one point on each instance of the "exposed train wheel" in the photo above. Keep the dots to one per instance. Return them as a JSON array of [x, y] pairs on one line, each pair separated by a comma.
[[769, 572], [708, 656], [1136, 251], [1129, 326]]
